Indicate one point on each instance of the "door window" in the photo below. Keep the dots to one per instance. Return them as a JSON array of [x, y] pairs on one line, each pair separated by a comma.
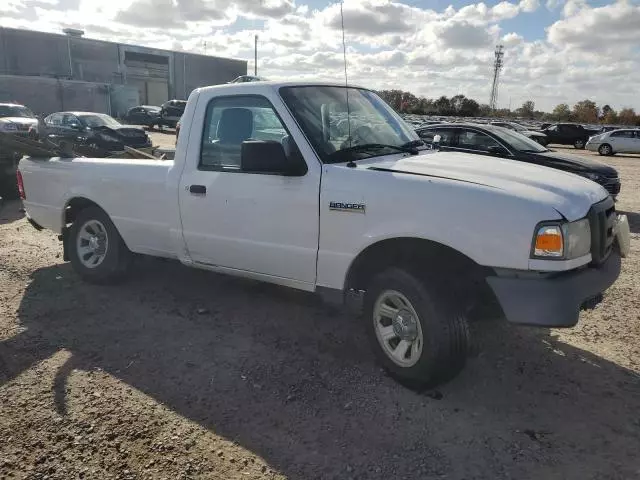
[[69, 120], [229, 121], [474, 140], [446, 136], [623, 134], [54, 120]]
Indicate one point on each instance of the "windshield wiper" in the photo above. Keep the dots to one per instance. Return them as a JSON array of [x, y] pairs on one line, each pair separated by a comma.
[[372, 147], [413, 144]]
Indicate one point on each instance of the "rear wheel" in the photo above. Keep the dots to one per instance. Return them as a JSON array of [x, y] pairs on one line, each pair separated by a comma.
[[96, 250], [579, 144], [605, 149], [417, 334]]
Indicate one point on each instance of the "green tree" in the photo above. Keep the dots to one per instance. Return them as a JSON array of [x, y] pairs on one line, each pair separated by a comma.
[[562, 112], [586, 111], [485, 110], [443, 106], [627, 116], [610, 117], [469, 108], [527, 109]]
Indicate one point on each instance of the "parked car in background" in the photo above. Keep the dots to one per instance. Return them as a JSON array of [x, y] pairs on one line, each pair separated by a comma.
[[170, 113], [247, 78], [16, 119], [539, 137], [618, 141], [568, 134], [143, 115], [96, 130], [491, 140]]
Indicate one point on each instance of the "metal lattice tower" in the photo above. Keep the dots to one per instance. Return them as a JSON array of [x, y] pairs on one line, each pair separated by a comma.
[[497, 66]]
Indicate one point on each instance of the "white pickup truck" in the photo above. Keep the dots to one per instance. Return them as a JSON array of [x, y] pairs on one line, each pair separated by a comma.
[[269, 182]]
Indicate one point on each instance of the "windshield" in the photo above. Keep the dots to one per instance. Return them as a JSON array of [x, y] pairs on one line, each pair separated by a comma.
[[518, 141], [98, 120], [321, 112], [15, 111]]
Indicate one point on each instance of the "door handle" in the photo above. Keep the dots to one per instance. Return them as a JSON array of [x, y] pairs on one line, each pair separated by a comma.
[[198, 189]]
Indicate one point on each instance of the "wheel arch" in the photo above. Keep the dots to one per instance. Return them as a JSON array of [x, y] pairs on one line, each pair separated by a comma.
[[412, 253], [75, 205]]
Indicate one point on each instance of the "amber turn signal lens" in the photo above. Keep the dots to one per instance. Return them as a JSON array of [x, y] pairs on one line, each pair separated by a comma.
[[550, 242]]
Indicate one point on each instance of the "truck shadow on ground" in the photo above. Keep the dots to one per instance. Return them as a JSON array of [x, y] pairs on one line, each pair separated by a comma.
[[10, 212], [294, 382]]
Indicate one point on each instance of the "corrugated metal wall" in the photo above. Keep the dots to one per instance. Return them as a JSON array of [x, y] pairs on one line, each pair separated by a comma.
[[47, 95], [27, 53]]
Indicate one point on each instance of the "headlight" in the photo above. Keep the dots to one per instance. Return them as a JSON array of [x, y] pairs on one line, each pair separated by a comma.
[[577, 238], [8, 127], [562, 241]]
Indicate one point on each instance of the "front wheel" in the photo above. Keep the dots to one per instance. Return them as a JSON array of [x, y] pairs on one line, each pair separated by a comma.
[[96, 249], [417, 334], [605, 149], [579, 144]]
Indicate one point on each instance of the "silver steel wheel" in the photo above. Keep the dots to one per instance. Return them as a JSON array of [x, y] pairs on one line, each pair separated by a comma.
[[92, 244], [605, 150], [397, 328]]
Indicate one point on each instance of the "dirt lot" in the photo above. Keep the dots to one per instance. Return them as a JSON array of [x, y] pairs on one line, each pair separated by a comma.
[[185, 374]]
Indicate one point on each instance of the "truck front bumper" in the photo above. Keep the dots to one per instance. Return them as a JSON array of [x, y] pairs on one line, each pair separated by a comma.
[[554, 301]]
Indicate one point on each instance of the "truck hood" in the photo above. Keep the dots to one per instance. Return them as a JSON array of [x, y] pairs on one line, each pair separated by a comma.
[[572, 196]]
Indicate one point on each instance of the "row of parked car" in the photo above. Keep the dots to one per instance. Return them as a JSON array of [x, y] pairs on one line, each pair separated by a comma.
[[99, 132]]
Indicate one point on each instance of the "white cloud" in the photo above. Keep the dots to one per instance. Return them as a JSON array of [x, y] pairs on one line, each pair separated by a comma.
[[529, 5], [612, 28], [587, 53], [512, 39]]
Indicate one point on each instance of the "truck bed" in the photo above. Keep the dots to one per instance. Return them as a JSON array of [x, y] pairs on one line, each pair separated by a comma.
[[133, 192]]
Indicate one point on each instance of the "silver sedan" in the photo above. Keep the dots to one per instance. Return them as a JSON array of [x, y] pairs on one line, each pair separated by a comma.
[[616, 141]]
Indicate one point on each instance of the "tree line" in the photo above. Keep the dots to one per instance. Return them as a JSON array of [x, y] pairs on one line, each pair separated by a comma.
[[585, 111]]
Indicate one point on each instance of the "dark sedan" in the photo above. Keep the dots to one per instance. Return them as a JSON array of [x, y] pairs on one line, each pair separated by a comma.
[[95, 130], [146, 115], [501, 142]]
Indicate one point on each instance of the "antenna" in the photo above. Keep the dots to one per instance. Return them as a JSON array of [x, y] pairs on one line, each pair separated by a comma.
[[497, 66], [346, 81]]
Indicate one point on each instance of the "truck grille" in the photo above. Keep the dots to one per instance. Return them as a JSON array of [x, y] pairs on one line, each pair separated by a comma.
[[612, 185], [602, 218]]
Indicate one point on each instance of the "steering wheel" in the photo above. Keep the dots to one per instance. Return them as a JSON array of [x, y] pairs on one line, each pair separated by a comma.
[[360, 136]]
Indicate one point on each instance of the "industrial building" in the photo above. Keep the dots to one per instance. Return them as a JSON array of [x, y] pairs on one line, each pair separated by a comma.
[[50, 72]]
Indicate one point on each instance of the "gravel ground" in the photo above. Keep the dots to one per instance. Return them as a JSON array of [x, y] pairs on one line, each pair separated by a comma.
[[183, 374]]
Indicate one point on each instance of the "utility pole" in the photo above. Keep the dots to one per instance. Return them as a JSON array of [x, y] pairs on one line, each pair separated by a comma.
[[497, 67], [255, 60]]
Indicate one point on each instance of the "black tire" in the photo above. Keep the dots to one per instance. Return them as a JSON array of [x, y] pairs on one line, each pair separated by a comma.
[[444, 329], [117, 260], [605, 150], [579, 144]]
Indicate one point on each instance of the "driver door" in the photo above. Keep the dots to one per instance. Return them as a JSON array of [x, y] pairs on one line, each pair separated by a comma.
[[263, 224]]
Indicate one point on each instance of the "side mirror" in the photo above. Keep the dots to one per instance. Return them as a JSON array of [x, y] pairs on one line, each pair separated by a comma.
[[497, 151], [269, 157]]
